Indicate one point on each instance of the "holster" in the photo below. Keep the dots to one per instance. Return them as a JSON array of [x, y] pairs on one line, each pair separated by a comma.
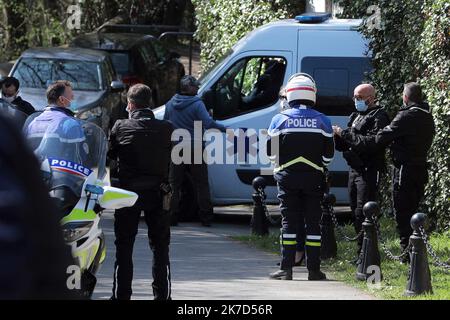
[[166, 195], [353, 159]]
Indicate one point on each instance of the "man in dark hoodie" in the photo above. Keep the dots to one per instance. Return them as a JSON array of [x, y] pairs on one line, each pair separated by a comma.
[[183, 110], [410, 136]]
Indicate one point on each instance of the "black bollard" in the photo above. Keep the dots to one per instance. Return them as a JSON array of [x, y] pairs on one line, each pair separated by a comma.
[[369, 256], [419, 277], [329, 246], [259, 223]]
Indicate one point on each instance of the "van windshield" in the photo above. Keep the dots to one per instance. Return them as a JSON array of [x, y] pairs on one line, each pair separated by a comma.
[[208, 73]]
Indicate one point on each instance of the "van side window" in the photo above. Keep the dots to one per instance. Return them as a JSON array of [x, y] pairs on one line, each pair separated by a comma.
[[336, 78], [251, 83]]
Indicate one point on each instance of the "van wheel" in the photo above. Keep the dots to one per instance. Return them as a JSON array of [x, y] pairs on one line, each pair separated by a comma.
[[188, 201]]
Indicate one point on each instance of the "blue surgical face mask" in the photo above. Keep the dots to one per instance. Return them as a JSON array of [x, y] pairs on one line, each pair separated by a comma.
[[73, 105], [361, 105]]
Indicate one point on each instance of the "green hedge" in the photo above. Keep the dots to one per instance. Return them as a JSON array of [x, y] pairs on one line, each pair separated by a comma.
[[221, 23], [434, 52], [413, 45]]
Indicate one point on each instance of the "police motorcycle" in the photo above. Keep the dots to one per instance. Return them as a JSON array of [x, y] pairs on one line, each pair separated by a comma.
[[74, 168]]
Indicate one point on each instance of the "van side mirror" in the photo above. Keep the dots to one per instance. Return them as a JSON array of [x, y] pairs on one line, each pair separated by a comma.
[[116, 198], [117, 86]]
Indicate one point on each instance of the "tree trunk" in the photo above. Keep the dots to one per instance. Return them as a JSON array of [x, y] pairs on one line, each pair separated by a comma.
[[15, 20]]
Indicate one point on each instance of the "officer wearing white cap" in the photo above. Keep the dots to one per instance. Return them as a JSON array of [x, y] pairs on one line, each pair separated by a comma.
[[305, 141]]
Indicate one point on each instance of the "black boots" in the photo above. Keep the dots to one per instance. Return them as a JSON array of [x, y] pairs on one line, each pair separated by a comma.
[[282, 275], [315, 275]]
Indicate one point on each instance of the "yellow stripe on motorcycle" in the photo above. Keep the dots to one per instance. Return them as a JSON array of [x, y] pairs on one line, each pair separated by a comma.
[[103, 257], [115, 196], [79, 214]]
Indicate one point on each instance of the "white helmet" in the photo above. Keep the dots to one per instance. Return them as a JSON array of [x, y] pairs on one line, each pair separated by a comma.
[[301, 86]]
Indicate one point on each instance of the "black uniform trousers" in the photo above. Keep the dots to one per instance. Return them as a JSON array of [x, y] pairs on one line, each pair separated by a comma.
[[126, 228], [408, 189], [199, 174], [300, 196], [362, 187]]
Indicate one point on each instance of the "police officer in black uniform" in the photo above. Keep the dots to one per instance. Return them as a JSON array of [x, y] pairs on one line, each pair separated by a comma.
[[304, 139], [142, 146], [410, 136], [365, 167]]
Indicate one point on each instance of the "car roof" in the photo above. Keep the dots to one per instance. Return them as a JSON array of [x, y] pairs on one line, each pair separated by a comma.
[[78, 54], [109, 41]]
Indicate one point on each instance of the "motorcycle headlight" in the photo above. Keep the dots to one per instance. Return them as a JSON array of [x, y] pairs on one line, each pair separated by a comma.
[[75, 230], [91, 113]]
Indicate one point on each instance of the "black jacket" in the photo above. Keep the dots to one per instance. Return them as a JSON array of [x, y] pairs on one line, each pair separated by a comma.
[[363, 124], [142, 146], [23, 106], [409, 135]]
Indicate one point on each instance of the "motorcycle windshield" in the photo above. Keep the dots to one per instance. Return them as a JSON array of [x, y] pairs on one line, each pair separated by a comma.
[[68, 149]]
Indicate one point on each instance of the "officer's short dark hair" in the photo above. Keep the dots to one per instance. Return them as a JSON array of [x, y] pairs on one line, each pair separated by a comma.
[[56, 90], [10, 81], [414, 92], [140, 95]]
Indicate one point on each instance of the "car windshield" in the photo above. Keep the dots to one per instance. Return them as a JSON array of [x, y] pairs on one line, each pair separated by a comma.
[[208, 73], [39, 73], [121, 62]]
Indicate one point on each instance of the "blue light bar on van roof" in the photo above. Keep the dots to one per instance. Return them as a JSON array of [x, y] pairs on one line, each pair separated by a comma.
[[313, 17]]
